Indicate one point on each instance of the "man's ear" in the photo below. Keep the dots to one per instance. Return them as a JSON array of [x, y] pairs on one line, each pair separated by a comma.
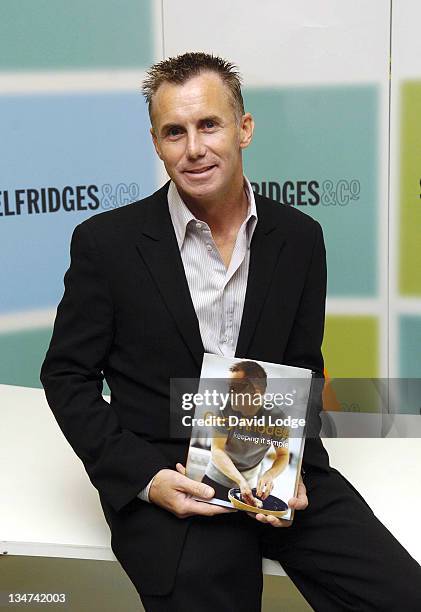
[[246, 130], [155, 142]]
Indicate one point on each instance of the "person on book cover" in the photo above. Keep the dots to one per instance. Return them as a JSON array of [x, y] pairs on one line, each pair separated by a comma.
[[205, 265], [236, 455]]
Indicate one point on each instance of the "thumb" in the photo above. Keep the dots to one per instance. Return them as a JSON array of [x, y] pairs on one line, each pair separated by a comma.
[[180, 468], [198, 489]]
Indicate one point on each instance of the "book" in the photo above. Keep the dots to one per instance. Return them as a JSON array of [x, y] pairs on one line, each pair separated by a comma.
[[248, 432]]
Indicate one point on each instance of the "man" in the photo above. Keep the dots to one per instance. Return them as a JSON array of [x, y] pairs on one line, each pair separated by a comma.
[[203, 264], [236, 461]]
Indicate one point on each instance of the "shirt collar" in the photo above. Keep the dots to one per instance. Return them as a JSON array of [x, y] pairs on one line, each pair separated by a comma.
[[181, 215]]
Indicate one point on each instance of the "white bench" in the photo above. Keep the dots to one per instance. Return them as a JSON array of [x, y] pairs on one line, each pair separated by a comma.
[[50, 508]]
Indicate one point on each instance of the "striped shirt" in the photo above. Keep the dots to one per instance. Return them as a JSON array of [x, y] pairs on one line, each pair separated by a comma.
[[217, 292]]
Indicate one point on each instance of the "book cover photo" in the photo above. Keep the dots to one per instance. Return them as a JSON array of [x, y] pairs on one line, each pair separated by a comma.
[[247, 423]]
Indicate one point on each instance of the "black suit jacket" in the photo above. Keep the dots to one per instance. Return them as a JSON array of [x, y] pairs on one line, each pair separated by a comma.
[[127, 314]]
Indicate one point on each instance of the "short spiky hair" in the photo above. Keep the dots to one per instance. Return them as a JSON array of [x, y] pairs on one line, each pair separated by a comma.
[[181, 68]]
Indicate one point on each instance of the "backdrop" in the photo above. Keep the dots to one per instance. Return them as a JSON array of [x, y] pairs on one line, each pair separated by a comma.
[[335, 137]]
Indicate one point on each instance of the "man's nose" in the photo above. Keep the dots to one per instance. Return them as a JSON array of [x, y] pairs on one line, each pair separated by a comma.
[[195, 147]]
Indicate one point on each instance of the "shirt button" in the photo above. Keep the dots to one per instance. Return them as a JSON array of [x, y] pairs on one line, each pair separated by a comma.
[[209, 247], [198, 225]]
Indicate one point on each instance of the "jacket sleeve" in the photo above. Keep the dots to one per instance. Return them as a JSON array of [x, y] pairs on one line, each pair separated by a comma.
[[118, 462], [305, 341]]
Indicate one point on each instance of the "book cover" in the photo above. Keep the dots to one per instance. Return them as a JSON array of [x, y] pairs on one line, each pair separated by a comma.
[[247, 423]]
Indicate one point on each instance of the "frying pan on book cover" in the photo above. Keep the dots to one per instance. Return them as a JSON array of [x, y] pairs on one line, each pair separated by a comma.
[[271, 505]]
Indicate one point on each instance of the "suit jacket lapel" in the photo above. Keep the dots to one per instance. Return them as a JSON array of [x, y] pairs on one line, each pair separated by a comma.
[[159, 250], [266, 246]]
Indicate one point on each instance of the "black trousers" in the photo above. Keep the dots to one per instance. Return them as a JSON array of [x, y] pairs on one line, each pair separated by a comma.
[[336, 552]]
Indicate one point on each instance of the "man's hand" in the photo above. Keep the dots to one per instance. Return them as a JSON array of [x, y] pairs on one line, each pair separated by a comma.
[[173, 491], [265, 485], [246, 493], [297, 503]]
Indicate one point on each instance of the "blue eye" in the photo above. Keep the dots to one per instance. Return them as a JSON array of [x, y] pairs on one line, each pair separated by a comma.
[[209, 124]]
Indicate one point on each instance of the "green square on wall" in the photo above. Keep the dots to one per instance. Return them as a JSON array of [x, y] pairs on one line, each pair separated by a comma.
[[350, 350], [56, 34], [318, 147], [350, 346], [21, 356], [410, 190]]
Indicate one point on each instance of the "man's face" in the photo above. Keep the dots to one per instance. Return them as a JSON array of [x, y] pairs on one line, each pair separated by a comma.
[[246, 396], [197, 136]]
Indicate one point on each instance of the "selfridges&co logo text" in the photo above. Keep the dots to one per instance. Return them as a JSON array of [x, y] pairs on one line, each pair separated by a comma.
[[328, 192], [70, 198]]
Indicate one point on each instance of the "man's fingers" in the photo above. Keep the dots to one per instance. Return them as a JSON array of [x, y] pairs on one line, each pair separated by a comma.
[[298, 503], [180, 468], [269, 519], [301, 501], [246, 495], [197, 489], [264, 489], [191, 506], [249, 499]]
